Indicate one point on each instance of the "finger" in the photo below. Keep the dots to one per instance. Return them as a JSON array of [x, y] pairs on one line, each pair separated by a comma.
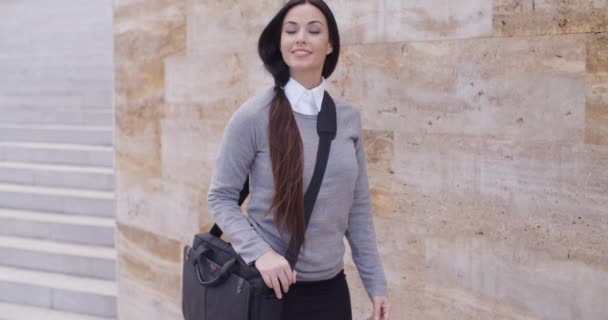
[[290, 277], [387, 314], [284, 281], [295, 276], [267, 280], [376, 310], [276, 286], [384, 309]]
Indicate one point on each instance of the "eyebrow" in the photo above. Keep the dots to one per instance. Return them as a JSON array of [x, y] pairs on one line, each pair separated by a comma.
[[311, 22]]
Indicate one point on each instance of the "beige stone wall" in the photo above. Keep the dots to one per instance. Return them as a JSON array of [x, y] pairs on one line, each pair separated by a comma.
[[486, 126]]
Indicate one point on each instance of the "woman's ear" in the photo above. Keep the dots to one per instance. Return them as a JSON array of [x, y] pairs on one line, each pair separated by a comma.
[[330, 49]]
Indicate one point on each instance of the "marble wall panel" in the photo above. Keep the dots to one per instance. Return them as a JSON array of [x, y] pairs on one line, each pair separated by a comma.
[[189, 157], [144, 34], [160, 206], [468, 263], [379, 150], [539, 17], [228, 25], [486, 156], [596, 116], [396, 21], [212, 83], [546, 197], [475, 276], [224, 25], [189, 149], [519, 88], [151, 260], [541, 287], [597, 53], [146, 303], [399, 263]]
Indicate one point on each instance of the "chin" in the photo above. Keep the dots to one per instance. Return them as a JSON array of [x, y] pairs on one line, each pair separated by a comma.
[[301, 67]]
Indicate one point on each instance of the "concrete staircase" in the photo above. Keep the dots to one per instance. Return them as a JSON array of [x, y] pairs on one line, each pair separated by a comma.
[[56, 214], [57, 226]]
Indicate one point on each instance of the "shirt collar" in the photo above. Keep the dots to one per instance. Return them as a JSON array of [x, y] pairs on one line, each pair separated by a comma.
[[294, 91]]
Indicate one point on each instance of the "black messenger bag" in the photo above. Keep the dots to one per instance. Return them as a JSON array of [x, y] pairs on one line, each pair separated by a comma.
[[216, 283]]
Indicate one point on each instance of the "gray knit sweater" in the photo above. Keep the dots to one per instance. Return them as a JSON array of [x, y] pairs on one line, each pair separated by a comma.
[[343, 207]]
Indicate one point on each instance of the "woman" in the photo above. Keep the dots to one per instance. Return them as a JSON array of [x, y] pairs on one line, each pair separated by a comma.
[[272, 139]]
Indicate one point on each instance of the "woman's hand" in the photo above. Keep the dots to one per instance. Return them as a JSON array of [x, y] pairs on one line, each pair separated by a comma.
[[382, 308], [276, 272]]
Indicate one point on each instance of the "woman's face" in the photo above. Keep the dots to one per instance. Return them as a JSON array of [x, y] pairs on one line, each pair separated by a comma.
[[305, 40]]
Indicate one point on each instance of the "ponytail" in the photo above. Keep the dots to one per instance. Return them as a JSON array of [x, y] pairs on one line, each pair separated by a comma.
[[287, 158]]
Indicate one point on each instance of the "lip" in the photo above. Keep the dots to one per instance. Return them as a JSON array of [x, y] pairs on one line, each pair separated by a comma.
[[301, 52]]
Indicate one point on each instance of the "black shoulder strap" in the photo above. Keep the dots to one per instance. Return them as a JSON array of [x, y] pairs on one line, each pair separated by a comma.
[[326, 129]]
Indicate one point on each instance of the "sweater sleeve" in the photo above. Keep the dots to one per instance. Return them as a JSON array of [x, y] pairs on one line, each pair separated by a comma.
[[361, 234], [236, 153]]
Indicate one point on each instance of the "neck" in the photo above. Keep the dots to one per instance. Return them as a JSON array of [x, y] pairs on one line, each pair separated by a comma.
[[308, 80]]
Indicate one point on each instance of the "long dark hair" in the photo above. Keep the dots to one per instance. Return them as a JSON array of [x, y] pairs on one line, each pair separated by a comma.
[[286, 151]]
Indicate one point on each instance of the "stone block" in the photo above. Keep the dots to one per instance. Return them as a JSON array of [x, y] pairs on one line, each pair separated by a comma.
[[151, 260], [398, 21], [230, 79], [596, 115], [517, 88], [62, 203], [228, 26], [150, 304], [97, 156], [160, 207], [533, 17], [379, 146]]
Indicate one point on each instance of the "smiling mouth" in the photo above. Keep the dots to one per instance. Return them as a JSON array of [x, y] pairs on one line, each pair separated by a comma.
[[301, 53]]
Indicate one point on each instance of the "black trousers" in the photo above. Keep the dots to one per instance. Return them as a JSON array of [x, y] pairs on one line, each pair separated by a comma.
[[318, 300]]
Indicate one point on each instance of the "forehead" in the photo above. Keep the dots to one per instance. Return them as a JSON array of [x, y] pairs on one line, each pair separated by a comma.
[[305, 13]]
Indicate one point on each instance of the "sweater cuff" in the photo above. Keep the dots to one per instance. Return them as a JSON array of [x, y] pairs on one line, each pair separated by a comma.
[[377, 291], [255, 251]]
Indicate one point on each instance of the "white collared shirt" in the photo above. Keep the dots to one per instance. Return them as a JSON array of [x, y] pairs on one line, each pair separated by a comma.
[[302, 100]]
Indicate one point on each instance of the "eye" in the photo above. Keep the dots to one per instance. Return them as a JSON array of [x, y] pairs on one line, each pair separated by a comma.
[[291, 29]]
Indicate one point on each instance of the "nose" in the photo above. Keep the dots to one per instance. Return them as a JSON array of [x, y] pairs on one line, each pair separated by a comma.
[[301, 37]]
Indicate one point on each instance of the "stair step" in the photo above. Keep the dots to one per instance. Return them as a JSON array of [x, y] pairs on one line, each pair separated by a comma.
[[51, 101], [97, 178], [87, 135], [19, 90], [55, 68], [11, 311], [44, 255], [52, 153], [92, 194], [60, 200], [35, 60], [60, 116], [57, 227], [45, 246], [30, 88], [63, 83], [38, 78], [58, 291], [17, 47]]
